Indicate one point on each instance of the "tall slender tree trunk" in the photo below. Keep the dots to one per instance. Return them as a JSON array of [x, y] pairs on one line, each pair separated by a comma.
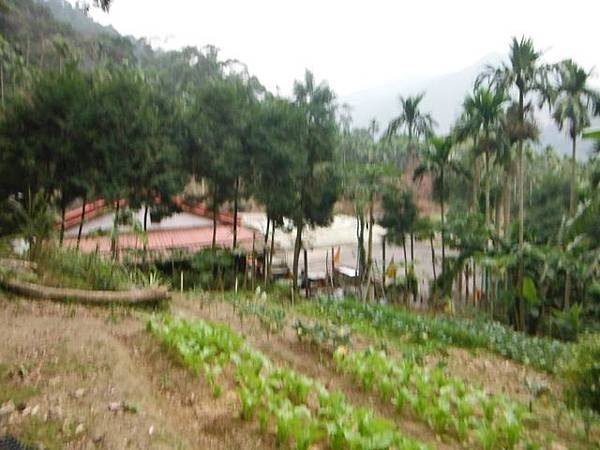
[[43, 52], [297, 245], [443, 221], [214, 217], [572, 196], [476, 178], [2, 84], [405, 259], [272, 249], [306, 282], [370, 251], [63, 211], [214, 235], [28, 51], [572, 208], [474, 283], [145, 249], [487, 188], [507, 195], [412, 247], [362, 263], [432, 257], [81, 221], [115, 234], [265, 252], [498, 212], [235, 211], [521, 177], [145, 218]]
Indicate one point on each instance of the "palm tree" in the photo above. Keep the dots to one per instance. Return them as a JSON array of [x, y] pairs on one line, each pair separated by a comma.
[[573, 101], [415, 123], [525, 73], [511, 131], [483, 111], [467, 128], [437, 161]]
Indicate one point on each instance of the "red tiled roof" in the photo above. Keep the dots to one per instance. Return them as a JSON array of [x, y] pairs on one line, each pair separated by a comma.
[[187, 239], [99, 207]]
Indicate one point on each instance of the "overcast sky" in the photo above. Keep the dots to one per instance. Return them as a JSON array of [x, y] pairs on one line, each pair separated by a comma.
[[360, 44]]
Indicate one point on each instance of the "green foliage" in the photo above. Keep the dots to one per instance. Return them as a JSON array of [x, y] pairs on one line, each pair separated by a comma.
[[448, 405], [400, 213], [564, 325], [282, 400], [271, 318], [32, 219], [276, 141], [581, 374], [538, 352], [211, 267], [43, 134], [328, 336], [71, 269], [415, 123], [218, 126], [317, 181]]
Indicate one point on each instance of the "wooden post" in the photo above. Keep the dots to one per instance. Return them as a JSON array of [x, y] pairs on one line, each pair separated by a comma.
[[181, 281], [306, 273]]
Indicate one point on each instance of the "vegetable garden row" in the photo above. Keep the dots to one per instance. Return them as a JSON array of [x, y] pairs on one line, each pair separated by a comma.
[[540, 353], [300, 411]]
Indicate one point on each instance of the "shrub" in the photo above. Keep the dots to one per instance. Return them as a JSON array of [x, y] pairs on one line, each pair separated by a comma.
[[214, 268], [71, 269], [581, 374], [564, 325]]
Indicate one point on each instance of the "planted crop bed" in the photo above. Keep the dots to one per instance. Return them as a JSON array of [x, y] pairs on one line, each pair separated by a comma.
[[542, 354], [447, 405], [298, 410]]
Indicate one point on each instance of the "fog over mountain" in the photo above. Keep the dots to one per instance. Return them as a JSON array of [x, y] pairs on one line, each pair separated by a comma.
[[444, 97], [444, 93]]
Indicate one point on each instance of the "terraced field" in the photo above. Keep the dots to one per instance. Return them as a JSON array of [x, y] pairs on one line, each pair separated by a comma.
[[227, 372]]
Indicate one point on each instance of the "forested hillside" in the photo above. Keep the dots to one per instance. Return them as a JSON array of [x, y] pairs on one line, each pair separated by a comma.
[[478, 329]]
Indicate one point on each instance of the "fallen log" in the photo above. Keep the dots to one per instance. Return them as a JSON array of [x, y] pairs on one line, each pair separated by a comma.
[[130, 297]]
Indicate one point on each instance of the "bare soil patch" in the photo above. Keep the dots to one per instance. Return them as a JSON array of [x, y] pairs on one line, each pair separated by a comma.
[[92, 378]]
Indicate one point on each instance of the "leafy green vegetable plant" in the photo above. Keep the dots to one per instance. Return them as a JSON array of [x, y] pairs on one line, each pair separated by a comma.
[[447, 405], [282, 400]]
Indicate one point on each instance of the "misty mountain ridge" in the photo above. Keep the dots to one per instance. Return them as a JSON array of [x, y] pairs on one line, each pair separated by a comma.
[[75, 15], [444, 96]]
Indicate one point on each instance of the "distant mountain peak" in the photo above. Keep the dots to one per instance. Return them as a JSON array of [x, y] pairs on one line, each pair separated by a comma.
[[444, 96]]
